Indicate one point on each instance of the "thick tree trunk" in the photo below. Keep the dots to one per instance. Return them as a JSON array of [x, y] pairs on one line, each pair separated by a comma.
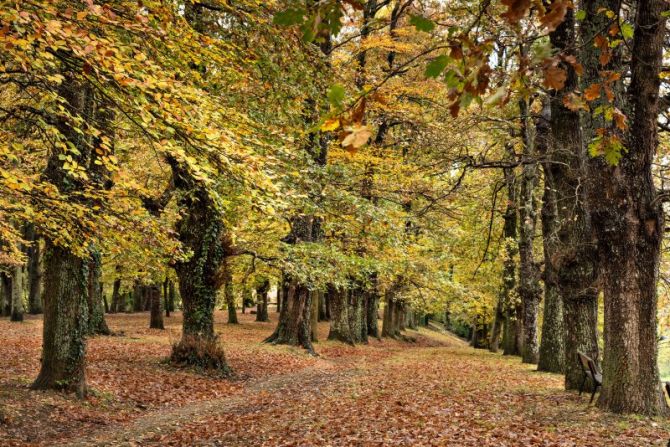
[[504, 305], [65, 321], [96, 320], [138, 291], [34, 268], [314, 315], [392, 314], [529, 275], [18, 282], [6, 297], [280, 292], [156, 321], [262, 301], [171, 296], [340, 329], [116, 297], [372, 313], [552, 347], [575, 255], [629, 223], [294, 326], [229, 293], [166, 296], [199, 231], [323, 306]]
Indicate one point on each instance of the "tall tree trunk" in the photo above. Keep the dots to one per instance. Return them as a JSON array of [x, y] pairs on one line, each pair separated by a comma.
[[138, 291], [262, 301], [340, 329], [18, 282], [200, 231], [575, 255], [156, 319], [229, 293], [166, 296], [529, 275], [6, 297], [116, 297], [314, 315], [96, 320], [372, 312], [552, 348], [294, 319], [628, 220], [34, 254], [65, 321], [510, 312], [280, 292], [171, 296], [66, 313]]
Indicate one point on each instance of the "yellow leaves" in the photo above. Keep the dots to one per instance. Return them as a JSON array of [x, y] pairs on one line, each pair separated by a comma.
[[575, 102], [330, 124]]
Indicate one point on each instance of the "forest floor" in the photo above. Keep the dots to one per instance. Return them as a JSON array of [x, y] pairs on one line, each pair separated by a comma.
[[435, 391]]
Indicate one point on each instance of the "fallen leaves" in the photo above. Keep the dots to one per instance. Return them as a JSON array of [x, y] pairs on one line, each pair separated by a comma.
[[384, 393]]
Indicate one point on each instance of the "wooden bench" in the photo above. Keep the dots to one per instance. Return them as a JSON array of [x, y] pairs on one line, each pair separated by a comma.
[[590, 371]]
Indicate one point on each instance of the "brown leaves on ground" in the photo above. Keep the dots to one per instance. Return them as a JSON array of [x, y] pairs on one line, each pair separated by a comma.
[[435, 391]]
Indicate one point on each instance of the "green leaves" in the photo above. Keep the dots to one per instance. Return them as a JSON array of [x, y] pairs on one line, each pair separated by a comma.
[[437, 66], [627, 30], [336, 95], [422, 24], [289, 17], [580, 15]]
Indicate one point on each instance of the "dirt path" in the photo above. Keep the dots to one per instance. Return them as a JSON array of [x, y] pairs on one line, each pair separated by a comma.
[[160, 424]]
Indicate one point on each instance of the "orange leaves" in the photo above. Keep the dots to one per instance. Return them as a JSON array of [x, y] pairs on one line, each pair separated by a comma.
[[592, 92], [550, 18], [554, 17], [602, 43], [516, 10], [554, 77]]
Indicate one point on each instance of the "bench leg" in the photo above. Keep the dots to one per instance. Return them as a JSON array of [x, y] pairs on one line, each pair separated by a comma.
[[581, 387]]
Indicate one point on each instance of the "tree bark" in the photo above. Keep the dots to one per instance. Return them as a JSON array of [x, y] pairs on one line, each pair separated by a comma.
[[552, 348], [116, 297], [294, 326], [18, 282], [6, 283], [262, 301], [65, 321], [340, 329], [156, 318], [34, 254], [166, 296], [229, 293], [96, 323], [138, 291], [171, 296], [629, 222], [530, 291], [575, 258]]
